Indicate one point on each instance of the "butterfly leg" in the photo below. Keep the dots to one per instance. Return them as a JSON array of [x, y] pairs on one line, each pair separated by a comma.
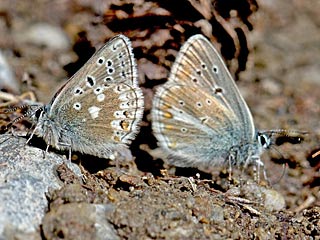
[[35, 129], [31, 135], [231, 159], [46, 151], [119, 158], [70, 153], [115, 158], [68, 146], [257, 168], [230, 170]]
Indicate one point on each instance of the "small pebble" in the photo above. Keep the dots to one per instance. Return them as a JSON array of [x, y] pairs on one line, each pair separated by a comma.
[[43, 34]]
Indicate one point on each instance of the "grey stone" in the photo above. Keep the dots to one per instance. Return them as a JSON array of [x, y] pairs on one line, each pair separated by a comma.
[[26, 174], [44, 34]]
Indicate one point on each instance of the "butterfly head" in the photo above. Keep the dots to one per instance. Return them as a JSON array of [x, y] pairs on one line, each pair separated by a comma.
[[278, 136], [35, 113]]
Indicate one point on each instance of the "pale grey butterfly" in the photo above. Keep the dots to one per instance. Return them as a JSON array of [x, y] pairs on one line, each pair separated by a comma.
[[199, 116], [98, 110]]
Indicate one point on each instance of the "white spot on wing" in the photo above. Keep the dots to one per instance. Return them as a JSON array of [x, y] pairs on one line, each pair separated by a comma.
[[101, 97], [94, 111]]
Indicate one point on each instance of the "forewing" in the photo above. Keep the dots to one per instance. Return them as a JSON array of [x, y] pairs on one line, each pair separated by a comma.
[[199, 64], [199, 114], [102, 103]]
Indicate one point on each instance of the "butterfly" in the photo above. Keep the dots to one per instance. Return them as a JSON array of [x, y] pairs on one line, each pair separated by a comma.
[[200, 118], [99, 109]]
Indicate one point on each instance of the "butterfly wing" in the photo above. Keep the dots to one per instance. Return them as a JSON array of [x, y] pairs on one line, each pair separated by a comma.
[[203, 67], [199, 114], [101, 106]]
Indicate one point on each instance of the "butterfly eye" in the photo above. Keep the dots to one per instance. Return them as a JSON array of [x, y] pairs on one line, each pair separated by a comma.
[[264, 140], [39, 112]]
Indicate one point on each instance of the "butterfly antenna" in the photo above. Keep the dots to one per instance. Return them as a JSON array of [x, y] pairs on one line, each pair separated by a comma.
[[28, 113], [315, 154], [286, 133]]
